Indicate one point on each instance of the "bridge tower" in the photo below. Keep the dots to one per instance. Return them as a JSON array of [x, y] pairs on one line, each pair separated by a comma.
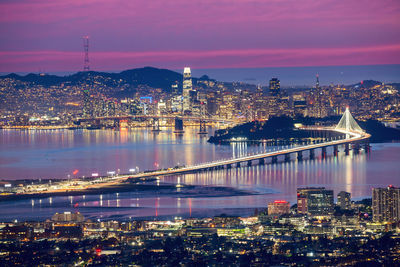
[[156, 119], [156, 125], [348, 123], [203, 128], [178, 125], [86, 50]]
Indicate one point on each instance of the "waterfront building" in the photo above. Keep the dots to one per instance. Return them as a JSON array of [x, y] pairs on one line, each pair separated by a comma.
[[278, 207], [68, 217], [344, 200], [274, 86], [187, 88], [314, 201], [6, 187], [386, 204]]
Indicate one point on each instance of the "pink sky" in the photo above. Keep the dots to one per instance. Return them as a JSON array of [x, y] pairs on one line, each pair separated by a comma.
[[47, 35]]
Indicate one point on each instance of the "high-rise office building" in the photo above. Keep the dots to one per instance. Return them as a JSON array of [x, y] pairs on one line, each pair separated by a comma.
[[259, 90], [274, 86], [314, 201], [187, 88], [344, 200], [317, 82], [299, 104], [386, 204], [278, 207], [175, 89]]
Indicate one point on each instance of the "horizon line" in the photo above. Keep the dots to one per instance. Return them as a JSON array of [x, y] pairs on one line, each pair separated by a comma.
[[69, 72]]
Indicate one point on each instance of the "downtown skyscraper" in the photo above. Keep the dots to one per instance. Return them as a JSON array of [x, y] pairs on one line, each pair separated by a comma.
[[274, 86], [187, 88]]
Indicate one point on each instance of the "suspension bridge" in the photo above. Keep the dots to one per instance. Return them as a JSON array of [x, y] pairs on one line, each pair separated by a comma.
[[156, 118], [355, 139], [351, 137]]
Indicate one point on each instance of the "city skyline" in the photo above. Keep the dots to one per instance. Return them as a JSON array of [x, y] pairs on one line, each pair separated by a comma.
[[200, 133], [47, 35]]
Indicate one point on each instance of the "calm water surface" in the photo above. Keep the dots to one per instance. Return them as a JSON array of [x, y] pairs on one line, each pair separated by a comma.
[[57, 153]]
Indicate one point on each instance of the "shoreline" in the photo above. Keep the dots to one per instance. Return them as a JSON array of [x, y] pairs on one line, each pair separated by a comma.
[[186, 191]]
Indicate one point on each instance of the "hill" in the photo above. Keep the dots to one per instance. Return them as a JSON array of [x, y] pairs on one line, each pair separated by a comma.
[[283, 128], [147, 76]]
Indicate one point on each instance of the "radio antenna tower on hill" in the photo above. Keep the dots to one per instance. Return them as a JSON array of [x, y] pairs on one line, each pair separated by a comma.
[[86, 50]]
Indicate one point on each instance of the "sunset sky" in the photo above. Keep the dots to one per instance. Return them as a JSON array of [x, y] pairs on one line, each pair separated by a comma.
[[46, 35]]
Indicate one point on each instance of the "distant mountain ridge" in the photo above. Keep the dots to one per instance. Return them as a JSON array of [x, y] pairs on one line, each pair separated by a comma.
[[146, 76], [149, 76]]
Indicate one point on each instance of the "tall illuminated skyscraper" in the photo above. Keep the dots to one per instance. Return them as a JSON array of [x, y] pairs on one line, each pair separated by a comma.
[[386, 204], [187, 87], [274, 86]]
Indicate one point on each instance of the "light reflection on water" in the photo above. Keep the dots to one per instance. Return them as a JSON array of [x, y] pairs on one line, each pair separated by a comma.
[[50, 154]]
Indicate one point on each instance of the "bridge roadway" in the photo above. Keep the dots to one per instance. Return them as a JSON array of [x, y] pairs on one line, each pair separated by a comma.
[[186, 118], [354, 138]]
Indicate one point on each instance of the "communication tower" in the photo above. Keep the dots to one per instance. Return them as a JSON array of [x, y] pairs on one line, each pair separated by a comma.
[[86, 50]]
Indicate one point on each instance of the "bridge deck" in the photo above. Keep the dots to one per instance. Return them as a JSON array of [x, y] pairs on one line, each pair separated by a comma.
[[355, 137], [186, 118]]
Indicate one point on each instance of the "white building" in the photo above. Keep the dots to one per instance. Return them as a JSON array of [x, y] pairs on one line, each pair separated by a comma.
[[187, 87]]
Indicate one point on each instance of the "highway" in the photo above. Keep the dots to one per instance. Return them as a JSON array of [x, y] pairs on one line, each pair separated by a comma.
[[186, 118]]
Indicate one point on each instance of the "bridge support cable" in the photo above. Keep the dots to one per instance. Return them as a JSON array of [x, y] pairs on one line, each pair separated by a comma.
[[203, 128], [348, 123]]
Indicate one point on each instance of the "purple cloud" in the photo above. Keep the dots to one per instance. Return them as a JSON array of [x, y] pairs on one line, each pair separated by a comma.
[[203, 33]]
